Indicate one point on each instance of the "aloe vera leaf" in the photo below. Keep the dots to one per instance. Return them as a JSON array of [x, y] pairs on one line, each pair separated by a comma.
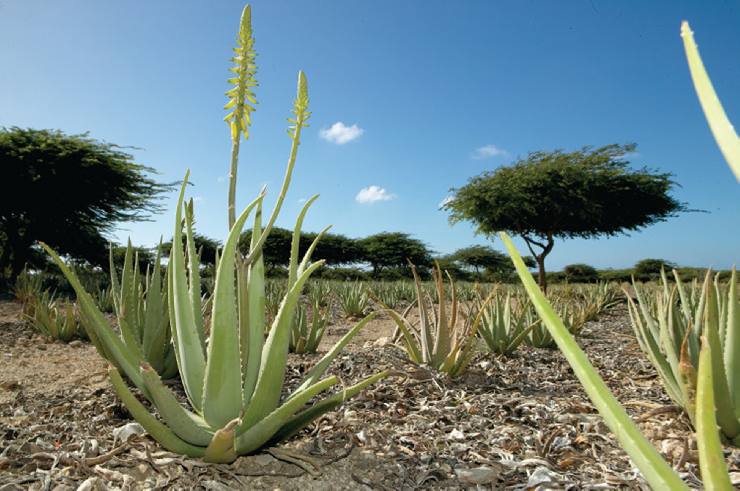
[[724, 132], [656, 471], [725, 410], [154, 341], [194, 275], [711, 459], [114, 285], [442, 342], [319, 368], [190, 357], [257, 435], [732, 343], [309, 252], [222, 390], [190, 427], [424, 334], [304, 418], [165, 436], [254, 334], [412, 345], [222, 449], [295, 241], [274, 354]]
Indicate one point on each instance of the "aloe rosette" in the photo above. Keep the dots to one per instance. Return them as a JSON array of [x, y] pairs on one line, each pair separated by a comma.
[[232, 374]]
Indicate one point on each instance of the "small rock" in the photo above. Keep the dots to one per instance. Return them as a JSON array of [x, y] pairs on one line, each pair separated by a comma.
[[18, 413], [90, 484], [75, 343], [478, 475], [456, 435], [42, 347], [263, 459], [382, 341], [123, 433]]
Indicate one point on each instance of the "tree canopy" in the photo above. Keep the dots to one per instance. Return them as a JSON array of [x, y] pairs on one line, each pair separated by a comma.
[[481, 258], [652, 266], [581, 273], [548, 195], [388, 250], [69, 191]]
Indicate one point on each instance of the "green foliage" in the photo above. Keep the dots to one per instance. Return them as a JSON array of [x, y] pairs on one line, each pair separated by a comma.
[[581, 273], [28, 286], [441, 341], [670, 323], [504, 325], [53, 318], [549, 195], [233, 378], [651, 268], [305, 335], [140, 305], [353, 299], [388, 250], [93, 185]]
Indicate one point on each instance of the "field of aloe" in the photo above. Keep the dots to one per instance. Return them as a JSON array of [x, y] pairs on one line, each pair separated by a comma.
[[163, 378]]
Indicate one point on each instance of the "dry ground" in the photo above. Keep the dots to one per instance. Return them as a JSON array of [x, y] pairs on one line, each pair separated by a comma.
[[516, 423]]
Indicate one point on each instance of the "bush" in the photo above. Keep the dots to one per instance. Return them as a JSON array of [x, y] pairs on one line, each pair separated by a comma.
[[650, 268], [581, 273]]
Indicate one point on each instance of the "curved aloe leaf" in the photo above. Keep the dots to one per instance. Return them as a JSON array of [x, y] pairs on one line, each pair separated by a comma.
[[721, 127], [655, 470], [222, 388], [165, 436], [191, 358], [711, 459]]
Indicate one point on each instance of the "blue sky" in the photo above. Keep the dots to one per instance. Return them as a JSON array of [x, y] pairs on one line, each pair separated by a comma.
[[432, 92]]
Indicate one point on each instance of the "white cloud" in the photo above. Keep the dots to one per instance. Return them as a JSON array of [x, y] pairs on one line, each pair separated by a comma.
[[198, 199], [445, 201], [489, 151], [372, 194], [340, 134]]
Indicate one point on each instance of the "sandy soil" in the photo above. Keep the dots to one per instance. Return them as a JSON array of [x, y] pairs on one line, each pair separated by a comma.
[[508, 423]]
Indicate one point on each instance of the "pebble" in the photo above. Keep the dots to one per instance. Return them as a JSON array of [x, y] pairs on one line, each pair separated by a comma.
[[477, 475]]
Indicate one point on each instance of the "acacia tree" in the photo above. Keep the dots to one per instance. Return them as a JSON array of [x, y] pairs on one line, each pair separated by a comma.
[[394, 250], [69, 191], [549, 195], [480, 257]]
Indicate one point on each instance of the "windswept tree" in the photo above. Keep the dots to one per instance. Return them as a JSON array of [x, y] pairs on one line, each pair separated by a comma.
[[480, 258], [388, 250], [552, 195], [69, 191]]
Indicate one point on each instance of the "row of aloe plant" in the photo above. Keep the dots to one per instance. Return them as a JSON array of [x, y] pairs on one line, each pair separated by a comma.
[[231, 372]]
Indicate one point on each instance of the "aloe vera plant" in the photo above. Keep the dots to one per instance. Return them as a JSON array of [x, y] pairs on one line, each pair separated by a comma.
[[232, 375], [441, 341], [140, 305], [305, 335], [502, 326], [669, 328], [53, 318], [353, 299]]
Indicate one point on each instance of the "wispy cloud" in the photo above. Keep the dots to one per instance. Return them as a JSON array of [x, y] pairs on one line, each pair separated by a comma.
[[445, 202], [489, 151], [340, 134], [373, 194]]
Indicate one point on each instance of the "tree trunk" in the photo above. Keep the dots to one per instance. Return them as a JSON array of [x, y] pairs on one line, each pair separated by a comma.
[[540, 258], [542, 275]]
